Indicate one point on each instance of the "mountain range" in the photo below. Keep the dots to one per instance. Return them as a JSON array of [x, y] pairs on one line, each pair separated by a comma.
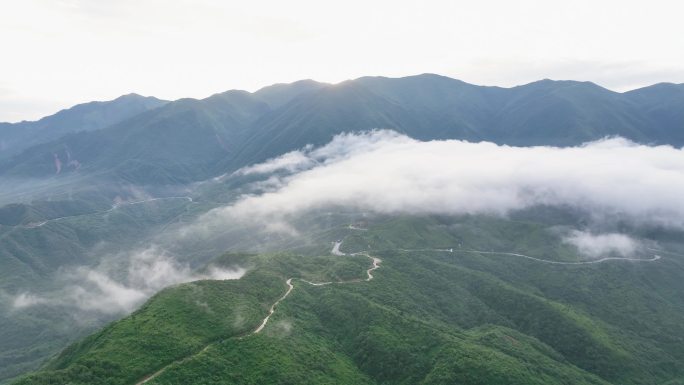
[[110, 244], [15, 138], [151, 141]]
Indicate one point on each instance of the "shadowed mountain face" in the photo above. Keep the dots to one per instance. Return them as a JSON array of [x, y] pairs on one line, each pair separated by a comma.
[[84, 117], [189, 140]]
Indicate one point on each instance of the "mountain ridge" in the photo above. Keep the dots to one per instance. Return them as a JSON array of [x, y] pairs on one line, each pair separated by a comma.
[[14, 137], [254, 126], [79, 201]]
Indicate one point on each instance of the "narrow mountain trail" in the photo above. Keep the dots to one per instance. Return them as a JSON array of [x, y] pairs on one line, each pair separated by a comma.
[[114, 207], [595, 261], [375, 264], [272, 309], [655, 258]]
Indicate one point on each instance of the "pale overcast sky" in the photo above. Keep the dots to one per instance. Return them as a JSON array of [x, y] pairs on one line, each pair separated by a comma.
[[56, 53]]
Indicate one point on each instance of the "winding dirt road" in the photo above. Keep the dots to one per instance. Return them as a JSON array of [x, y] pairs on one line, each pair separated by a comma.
[[335, 251], [369, 273], [654, 258], [375, 264], [272, 309], [114, 207]]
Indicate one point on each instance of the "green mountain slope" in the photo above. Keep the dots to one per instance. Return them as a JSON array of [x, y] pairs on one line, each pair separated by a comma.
[[84, 117], [32, 257], [568, 113], [662, 103], [190, 140], [428, 107], [173, 144], [430, 315], [315, 117], [277, 95], [61, 214]]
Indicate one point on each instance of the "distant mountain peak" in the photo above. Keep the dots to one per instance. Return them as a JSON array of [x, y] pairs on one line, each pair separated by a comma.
[[556, 82], [81, 117], [251, 127], [136, 96], [279, 94]]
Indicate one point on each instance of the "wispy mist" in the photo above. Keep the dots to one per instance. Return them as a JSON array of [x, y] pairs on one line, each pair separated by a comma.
[[597, 245], [290, 162], [103, 290], [386, 172]]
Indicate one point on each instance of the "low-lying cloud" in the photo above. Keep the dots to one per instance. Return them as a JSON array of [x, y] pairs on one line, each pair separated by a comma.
[[98, 290], [385, 172], [597, 245], [290, 162]]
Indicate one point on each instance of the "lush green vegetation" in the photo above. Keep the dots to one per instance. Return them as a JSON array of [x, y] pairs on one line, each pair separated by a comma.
[[31, 257], [183, 320], [175, 323], [429, 317], [620, 322], [83, 117]]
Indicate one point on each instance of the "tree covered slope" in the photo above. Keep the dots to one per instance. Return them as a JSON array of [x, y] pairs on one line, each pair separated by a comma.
[[440, 309], [14, 138], [190, 140]]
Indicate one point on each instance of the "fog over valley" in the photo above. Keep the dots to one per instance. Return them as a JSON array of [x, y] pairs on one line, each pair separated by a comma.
[[386, 172], [413, 230]]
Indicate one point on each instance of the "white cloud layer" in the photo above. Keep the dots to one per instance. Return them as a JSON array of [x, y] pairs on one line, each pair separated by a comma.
[[598, 245], [289, 162], [148, 271], [386, 172]]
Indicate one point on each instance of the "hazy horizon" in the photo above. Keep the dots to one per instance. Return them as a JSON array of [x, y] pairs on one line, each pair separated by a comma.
[[329, 83], [62, 53]]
